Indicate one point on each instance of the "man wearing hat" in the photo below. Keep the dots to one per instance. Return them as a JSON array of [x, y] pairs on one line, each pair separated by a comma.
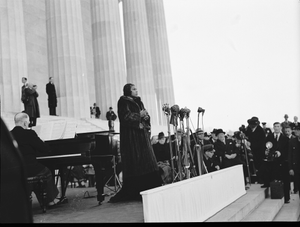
[[226, 149], [213, 137], [111, 117], [200, 137], [256, 137], [209, 161], [198, 144], [294, 158], [162, 154], [161, 148], [285, 123]]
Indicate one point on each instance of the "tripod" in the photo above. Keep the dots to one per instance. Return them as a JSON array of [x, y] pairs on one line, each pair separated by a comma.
[[117, 183]]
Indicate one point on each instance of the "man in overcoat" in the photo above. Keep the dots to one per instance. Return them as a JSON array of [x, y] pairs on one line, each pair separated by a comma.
[[294, 158], [52, 99]]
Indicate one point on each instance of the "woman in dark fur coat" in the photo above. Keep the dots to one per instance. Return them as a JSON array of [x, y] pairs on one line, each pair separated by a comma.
[[139, 165]]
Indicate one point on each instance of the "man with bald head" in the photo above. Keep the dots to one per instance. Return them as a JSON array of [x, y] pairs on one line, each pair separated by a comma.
[[30, 146]]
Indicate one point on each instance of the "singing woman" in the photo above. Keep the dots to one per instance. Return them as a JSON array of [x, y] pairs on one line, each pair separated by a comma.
[[140, 170]]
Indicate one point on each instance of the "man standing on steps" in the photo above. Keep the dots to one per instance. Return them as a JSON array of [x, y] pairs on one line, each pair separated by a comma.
[[294, 158], [256, 136], [52, 99], [111, 117]]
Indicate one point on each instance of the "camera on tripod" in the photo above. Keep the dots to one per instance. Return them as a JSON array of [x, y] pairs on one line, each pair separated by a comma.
[[270, 155], [200, 110]]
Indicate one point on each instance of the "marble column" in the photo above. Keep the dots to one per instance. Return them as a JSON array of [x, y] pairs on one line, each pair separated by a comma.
[[88, 46], [138, 54], [109, 57], [66, 57], [161, 64], [13, 57]]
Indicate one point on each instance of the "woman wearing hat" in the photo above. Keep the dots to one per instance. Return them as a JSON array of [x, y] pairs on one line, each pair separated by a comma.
[[226, 149], [140, 170]]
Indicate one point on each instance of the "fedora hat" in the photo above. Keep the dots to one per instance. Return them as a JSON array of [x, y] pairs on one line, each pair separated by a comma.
[[199, 130], [253, 121], [161, 135], [214, 131], [218, 131]]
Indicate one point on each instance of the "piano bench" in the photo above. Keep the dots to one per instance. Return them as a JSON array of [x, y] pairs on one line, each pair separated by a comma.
[[39, 182]]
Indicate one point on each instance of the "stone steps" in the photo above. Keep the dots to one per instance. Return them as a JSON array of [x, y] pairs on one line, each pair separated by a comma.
[[237, 210], [257, 206], [266, 211], [290, 211]]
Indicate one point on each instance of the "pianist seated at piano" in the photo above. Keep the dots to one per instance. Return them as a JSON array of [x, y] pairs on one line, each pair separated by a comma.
[[30, 146]]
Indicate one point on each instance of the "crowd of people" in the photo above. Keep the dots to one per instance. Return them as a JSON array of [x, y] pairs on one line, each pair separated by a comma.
[[249, 146]]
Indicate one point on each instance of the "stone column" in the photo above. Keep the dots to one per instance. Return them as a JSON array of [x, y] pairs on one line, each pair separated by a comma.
[[109, 58], [138, 54], [88, 44], [13, 58], [66, 57], [161, 64]]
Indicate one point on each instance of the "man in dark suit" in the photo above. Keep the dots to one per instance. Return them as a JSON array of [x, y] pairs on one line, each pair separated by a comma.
[[294, 158], [30, 146], [256, 136], [24, 99], [266, 129], [111, 117], [275, 162], [52, 99]]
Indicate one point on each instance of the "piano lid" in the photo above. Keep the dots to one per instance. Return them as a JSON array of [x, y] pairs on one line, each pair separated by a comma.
[[70, 146]]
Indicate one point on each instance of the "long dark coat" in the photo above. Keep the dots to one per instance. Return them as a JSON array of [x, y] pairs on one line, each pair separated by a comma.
[[32, 107], [52, 99], [136, 151], [30, 146], [258, 144], [227, 149], [294, 158]]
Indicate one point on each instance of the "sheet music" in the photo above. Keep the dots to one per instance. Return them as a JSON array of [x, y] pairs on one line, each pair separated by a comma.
[[51, 130], [58, 129], [44, 130], [70, 130]]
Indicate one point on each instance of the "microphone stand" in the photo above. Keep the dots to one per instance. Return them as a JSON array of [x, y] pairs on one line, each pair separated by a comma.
[[174, 121], [247, 162], [184, 145], [167, 113]]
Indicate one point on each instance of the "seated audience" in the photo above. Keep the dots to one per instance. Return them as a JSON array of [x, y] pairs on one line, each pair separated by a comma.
[[162, 154], [225, 148], [209, 162], [196, 145], [30, 146]]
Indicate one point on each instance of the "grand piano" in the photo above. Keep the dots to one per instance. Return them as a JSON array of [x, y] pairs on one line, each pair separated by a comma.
[[85, 148]]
